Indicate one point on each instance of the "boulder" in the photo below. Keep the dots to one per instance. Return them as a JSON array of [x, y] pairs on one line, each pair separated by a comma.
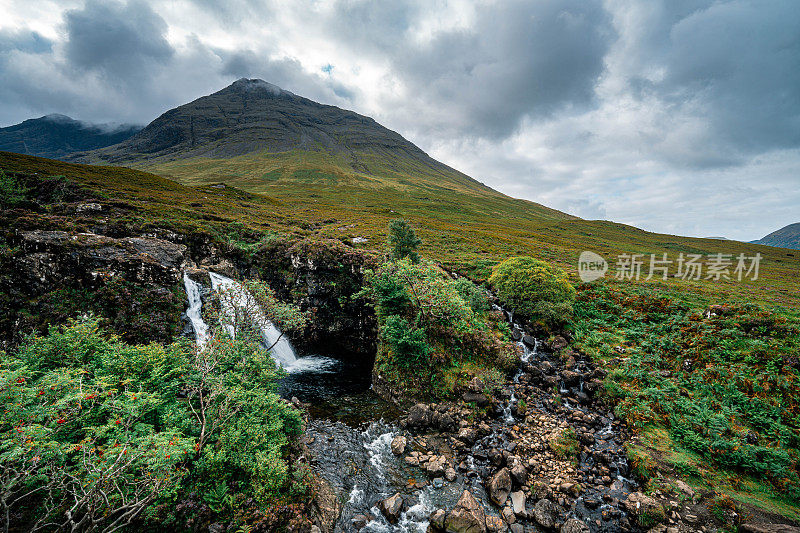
[[399, 445], [573, 525], [436, 520], [499, 486], [518, 503], [546, 513], [419, 416], [467, 516], [645, 510], [391, 508], [436, 466]]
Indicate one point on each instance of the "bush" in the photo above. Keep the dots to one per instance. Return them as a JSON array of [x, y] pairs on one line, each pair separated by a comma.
[[435, 332], [535, 289], [12, 192], [111, 430]]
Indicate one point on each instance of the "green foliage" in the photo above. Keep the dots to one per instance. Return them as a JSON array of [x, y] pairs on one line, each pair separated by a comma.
[[431, 337], [12, 192], [726, 387], [538, 290], [115, 429], [472, 294], [565, 444], [403, 241]]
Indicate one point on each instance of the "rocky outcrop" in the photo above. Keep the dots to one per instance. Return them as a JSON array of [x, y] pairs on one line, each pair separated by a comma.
[[51, 276], [467, 516]]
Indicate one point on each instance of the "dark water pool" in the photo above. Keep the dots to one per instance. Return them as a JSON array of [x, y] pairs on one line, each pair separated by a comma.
[[335, 390]]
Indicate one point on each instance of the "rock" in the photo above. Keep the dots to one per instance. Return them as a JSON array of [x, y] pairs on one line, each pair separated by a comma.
[[540, 490], [529, 341], [450, 474], [499, 486], [518, 503], [683, 487], [359, 522], [495, 523], [767, 528], [437, 520], [391, 508], [467, 516], [477, 398], [467, 435], [517, 528], [216, 527], [315, 529], [399, 445], [573, 525], [419, 416], [646, 510], [546, 513], [558, 343], [518, 472], [436, 466]]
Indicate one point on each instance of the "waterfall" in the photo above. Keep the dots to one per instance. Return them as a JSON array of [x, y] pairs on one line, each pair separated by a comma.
[[193, 313], [232, 296]]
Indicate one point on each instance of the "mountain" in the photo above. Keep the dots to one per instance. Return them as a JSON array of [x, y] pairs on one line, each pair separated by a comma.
[[786, 237], [254, 123], [57, 136]]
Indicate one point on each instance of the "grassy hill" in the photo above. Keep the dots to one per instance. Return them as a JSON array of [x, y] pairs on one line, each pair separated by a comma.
[[467, 230]]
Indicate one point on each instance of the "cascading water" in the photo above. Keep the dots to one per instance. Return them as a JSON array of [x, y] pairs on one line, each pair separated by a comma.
[[193, 313], [232, 296]]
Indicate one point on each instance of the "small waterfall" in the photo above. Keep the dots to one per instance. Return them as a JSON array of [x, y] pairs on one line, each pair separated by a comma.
[[232, 296], [193, 312]]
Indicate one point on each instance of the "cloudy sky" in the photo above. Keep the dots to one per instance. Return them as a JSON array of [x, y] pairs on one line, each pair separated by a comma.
[[677, 116]]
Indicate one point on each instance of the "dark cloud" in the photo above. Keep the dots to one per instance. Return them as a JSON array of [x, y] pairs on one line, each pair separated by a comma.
[[119, 41]]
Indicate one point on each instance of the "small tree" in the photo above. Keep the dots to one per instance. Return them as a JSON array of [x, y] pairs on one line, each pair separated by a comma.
[[535, 289], [403, 241]]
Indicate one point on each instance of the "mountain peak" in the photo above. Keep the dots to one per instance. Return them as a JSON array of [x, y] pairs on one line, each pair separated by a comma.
[[255, 84]]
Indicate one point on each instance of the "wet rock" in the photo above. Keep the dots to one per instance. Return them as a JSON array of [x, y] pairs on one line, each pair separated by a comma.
[[573, 525], [546, 513], [399, 445], [359, 522], [529, 341], [436, 466], [391, 508], [467, 435], [419, 416], [467, 516], [499, 487], [558, 343], [450, 474], [646, 510], [437, 520], [518, 472]]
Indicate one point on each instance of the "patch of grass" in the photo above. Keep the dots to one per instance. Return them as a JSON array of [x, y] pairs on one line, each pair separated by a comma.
[[564, 444]]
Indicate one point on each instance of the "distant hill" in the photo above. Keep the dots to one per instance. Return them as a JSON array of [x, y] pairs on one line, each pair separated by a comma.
[[786, 237], [57, 136]]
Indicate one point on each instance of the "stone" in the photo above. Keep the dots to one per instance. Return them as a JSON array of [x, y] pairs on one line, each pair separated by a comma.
[[573, 525], [359, 522], [436, 465], [467, 435], [683, 487], [399, 445], [518, 472], [391, 508], [546, 513], [467, 516], [645, 510], [419, 416], [475, 397], [518, 503], [495, 523], [517, 528], [437, 520], [499, 486], [450, 474]]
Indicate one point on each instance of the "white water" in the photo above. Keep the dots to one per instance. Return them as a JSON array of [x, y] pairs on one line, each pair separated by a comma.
[[233, 295], [193, 313]]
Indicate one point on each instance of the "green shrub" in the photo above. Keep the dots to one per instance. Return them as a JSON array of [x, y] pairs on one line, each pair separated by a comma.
[[403, 241], [535, 289], [565, 444], [12, 192], [472, 294], [114, 430]]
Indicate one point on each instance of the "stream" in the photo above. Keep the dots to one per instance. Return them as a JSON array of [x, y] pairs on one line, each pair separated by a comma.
[[350, 431]]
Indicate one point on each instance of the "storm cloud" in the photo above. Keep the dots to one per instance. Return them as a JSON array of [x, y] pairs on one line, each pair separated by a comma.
[[678, 116]]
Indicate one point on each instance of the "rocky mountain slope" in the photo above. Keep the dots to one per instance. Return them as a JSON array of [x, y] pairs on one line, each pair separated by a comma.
[[252, 117], [57, 136], [786, 237]]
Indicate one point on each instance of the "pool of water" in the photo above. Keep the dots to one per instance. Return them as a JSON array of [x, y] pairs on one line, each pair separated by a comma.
[[335, 390]]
